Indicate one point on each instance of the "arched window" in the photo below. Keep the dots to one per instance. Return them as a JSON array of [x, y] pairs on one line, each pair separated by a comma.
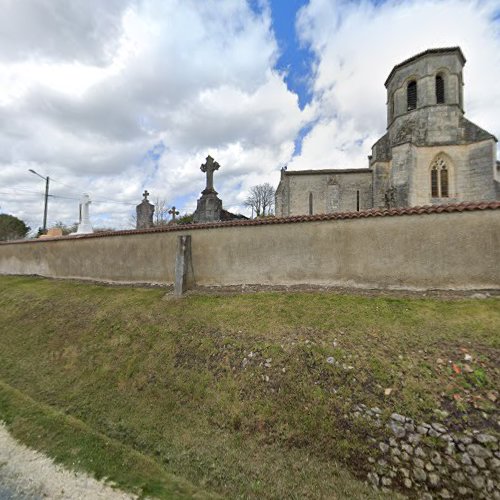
[[310, 203], [440, 178], [411, 95], [439, 89]]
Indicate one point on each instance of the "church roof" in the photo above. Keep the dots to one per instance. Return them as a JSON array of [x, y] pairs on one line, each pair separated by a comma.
[[473, 133], [442, 50], [329, 171]]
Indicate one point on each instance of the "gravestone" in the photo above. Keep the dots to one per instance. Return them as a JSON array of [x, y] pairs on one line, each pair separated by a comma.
[[173, 212], [144, 211], [209, 206], [85, 227]]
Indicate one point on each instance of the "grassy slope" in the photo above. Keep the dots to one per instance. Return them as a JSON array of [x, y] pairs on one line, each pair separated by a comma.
[[175, 380]]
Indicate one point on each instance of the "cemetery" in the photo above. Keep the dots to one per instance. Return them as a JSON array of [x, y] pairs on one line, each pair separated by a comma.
[[453, 246]]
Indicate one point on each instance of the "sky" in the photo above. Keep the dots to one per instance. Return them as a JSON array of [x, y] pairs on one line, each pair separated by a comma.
[[112, 98]]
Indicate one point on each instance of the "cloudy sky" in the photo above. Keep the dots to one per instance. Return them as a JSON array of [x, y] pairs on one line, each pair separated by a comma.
[[114, 97]]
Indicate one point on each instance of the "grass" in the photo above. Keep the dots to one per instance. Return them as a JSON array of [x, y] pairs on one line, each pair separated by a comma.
[[234, 393]]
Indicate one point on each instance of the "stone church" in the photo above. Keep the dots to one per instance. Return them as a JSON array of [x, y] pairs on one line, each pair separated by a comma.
[[430, 154]]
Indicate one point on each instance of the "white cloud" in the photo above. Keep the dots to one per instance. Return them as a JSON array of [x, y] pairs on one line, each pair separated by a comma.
[[195, 76], [357, 44]]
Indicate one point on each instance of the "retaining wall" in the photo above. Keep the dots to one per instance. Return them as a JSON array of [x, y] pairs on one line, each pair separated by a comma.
[[447, 247]]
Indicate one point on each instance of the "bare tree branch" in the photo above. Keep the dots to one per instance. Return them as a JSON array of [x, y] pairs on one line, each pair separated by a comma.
[[261, 199]]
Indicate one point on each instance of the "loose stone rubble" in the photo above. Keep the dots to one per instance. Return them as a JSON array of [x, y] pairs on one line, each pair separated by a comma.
[[429, 460]]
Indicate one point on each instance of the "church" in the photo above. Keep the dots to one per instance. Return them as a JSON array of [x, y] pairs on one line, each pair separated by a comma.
[[430, 155]]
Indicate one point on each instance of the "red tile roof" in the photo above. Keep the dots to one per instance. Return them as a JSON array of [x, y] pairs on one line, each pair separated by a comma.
[[391, 212]]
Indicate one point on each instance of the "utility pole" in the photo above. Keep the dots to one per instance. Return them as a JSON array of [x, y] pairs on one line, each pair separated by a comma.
[[46, 179]]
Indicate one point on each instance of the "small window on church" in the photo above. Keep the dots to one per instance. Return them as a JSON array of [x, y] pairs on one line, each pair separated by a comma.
[[434, 183], [310, 203], [357, 201], [444, 182], [439, 179], [411, 95], [439, 89]]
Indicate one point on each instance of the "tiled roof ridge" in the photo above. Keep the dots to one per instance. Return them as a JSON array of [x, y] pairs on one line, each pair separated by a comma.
[[374, 212]]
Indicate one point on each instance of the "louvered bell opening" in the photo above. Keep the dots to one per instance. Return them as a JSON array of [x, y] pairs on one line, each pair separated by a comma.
[[412, 95], [439, 89]]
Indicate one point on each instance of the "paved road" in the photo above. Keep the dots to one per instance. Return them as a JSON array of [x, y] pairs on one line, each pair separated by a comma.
[[10, 493]]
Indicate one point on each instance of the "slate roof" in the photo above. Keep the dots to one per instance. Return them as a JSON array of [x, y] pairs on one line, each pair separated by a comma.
[[392, 212]]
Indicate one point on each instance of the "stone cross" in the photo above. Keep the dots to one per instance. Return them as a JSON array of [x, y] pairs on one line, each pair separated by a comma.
[[173, 212], [145, 194], [209, 167], [85, 226]]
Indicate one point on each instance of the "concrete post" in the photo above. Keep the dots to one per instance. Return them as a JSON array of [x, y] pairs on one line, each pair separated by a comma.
[[184, 276]]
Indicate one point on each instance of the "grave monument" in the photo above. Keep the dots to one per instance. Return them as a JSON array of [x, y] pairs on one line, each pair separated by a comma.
[[209, 206], [85, 227], [144, 213]]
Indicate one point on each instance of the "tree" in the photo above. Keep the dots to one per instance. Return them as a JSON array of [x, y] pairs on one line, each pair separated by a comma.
[[261, 199], [184, 219], [161, 216], [65, 228], [12, 228]]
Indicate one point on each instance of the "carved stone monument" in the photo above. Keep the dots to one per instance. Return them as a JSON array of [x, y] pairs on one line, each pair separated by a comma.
[[85, 227], [144, 211], [209, 207]]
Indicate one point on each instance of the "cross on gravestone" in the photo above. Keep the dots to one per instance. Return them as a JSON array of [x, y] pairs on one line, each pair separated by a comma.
[[210, 166], [145, 194], [173, 212]]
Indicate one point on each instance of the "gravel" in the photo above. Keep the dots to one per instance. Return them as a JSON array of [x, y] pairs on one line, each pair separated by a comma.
[[27, 474]]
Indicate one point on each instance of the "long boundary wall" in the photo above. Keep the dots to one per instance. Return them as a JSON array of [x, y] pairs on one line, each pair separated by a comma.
[[447, 247]]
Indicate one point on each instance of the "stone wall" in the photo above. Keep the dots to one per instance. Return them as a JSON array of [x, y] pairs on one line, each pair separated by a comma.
[[431, 460], [440, 249], [331, 191]]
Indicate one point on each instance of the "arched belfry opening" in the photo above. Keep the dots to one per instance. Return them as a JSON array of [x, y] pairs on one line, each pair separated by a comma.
[[440, 94], [411, 95]]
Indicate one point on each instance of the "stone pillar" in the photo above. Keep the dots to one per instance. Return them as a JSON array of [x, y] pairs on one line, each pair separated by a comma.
[[184, 275], [144, 213]]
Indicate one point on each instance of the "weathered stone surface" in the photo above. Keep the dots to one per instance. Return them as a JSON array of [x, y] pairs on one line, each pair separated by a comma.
[[209, 206], [384, 448], [386, 481], [398, 418], [419, 474], [444, 493], [397, 429], [144, 213], [436, 458], [477, 482], [373, 478], [439, 427], [486, 438], [458, 477], [476, 450], [433, 480]]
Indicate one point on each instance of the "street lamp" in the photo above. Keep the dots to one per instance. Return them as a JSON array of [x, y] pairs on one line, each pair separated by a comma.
[[46, 179]]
